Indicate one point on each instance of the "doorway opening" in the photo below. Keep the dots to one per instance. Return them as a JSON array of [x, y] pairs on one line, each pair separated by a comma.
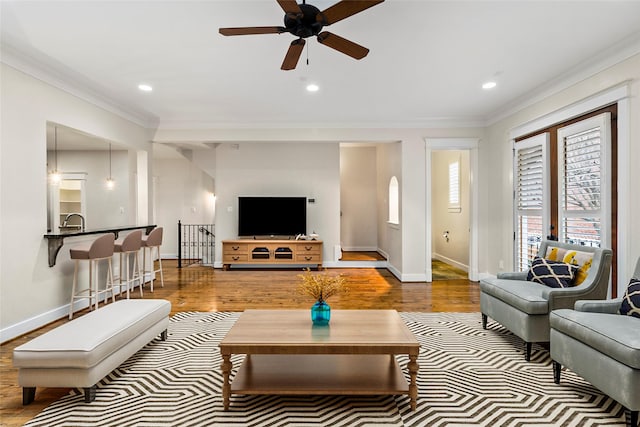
[[451, 223]]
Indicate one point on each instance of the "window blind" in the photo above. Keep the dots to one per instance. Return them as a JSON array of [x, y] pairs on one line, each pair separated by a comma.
[[582, 155], [530, 193], [454, 187]]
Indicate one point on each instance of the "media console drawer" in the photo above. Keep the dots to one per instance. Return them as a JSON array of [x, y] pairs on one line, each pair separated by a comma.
[[305, 252], [235, 248]]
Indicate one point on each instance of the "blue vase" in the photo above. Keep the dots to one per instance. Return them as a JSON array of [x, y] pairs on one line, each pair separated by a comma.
[[320, 313]]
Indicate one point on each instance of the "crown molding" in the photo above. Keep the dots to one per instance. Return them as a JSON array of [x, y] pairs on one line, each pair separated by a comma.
[[607, 58], [426, 123], [76, 85]]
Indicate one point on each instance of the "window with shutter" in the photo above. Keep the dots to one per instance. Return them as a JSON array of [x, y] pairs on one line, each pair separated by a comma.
[[583, 160], [454, 187], [581, 185], [531, 194]]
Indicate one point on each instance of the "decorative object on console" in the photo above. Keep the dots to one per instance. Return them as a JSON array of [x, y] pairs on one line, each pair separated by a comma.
[[321, 286], [555, 274]]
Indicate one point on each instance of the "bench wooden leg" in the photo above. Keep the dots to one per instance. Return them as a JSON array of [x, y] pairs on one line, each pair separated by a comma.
[[28, 395], [163, 335], [557, 369], [527, 352], [484, 321], [90, 394], [631, 418]]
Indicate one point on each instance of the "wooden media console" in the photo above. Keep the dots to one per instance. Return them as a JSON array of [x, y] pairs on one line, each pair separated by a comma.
[[245, 251]]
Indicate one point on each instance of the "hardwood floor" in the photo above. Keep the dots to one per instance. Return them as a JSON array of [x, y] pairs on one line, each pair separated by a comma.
[[197, 288], [361, 256]]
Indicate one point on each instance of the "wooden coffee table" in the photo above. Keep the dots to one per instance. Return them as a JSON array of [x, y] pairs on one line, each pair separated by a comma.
[[286, 354]]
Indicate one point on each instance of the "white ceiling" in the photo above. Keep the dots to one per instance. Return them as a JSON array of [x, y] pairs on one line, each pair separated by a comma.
[[427, 62]]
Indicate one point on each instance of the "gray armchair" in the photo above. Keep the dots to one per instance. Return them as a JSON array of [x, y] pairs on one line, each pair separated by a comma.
[[523, 307], [601, 346]]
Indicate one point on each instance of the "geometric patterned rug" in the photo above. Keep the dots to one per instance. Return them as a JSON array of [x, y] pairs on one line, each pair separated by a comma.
[[468, 376]]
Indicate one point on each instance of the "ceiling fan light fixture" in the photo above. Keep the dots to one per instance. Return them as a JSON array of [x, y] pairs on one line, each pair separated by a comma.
[[145, 87], [489, 85], [312, 87], [304, 20]]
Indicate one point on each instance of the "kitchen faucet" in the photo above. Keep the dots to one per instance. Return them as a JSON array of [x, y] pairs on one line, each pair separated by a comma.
[[66, 220]]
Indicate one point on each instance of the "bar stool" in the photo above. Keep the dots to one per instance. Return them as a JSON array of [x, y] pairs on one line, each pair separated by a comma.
[[127, 246], [150, 241], [101, 248]]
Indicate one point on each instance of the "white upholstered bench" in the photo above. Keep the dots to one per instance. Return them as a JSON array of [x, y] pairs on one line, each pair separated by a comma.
[[80, 353]]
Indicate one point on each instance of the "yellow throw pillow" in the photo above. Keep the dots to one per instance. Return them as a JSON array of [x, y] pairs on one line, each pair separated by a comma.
[[582, 272], [552, 254], [581, 259]]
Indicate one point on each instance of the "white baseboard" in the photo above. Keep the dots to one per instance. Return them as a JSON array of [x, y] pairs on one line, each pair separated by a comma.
[[36, 322], [407, 278], [392, 268], [360, 248], [450, 261]]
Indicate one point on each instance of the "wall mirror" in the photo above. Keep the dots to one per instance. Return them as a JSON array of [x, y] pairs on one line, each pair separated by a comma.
[[89, 183]]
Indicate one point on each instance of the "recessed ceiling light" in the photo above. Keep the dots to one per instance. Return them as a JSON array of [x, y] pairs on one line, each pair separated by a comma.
[[489, 85], [313, 87], [145, 88]]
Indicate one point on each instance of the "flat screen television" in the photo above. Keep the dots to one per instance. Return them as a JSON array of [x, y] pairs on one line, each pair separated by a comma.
[[272, 216]]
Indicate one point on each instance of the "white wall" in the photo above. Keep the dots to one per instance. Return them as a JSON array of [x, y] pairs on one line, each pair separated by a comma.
[[405, 246], [358, 198], [389, 235], [279, 169], [182, 192], [497, 220], [456, 250], [32, 293]]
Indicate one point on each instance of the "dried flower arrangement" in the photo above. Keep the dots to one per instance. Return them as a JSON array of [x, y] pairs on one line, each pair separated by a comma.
[[321, 286]]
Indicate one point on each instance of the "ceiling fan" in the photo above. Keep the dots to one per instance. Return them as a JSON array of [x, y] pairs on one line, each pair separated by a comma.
[[305, 20]]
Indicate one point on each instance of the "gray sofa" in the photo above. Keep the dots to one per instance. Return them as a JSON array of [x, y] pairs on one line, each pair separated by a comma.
[[523, 307], [603, 347]]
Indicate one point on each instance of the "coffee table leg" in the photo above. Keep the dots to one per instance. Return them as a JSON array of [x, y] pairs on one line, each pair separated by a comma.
[[226, 366], [413, 374]]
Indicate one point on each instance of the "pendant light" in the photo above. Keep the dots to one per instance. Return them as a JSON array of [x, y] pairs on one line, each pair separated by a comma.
[[110, 181], [55, 175]]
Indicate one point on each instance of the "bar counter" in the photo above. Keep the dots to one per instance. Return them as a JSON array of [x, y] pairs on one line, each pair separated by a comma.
[[56, 240]]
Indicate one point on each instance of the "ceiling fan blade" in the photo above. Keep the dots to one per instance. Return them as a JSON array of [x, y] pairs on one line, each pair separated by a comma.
[[343, 45], [290, 6], [293, 54], [241, 31], [345, 9]]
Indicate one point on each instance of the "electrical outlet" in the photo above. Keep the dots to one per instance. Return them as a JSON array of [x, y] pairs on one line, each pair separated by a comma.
[[501, 265]]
